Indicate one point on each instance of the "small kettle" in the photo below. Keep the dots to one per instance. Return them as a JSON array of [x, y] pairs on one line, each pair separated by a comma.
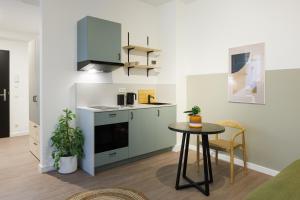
[[130, 97]]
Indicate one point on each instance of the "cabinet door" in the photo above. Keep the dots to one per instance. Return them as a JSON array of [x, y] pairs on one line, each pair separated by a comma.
[[104, 40], [166, 138], [148, 130], [140, 138]]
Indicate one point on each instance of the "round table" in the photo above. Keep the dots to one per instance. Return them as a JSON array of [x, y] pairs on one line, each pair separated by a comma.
[[204, 131]]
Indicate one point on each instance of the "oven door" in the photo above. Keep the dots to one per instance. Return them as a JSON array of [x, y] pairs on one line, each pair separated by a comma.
[[110, 137]]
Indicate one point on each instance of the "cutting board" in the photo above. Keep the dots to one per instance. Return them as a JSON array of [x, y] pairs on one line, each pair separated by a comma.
[[143, 95]]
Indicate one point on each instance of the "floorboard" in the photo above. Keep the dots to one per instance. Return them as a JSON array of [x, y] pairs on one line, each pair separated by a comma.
[[155, 177]]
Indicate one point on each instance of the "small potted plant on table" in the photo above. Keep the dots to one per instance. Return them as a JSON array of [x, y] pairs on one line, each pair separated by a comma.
[[194, 117], [68, 144]]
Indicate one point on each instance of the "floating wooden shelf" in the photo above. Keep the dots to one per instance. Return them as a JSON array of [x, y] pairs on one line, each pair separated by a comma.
[[140, 66], [140, 48], [147, 67]]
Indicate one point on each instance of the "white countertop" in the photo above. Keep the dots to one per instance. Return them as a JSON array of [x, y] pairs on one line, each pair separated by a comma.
[[133, 107]]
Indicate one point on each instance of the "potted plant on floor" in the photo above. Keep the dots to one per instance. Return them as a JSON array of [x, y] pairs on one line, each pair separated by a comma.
[[67, 143], [194, 117]]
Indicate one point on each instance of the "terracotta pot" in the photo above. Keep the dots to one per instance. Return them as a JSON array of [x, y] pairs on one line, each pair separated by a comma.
[[195, 121]]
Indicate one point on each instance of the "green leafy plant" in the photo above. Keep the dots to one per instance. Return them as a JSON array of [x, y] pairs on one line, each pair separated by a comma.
[[195, 111], [67, 141]]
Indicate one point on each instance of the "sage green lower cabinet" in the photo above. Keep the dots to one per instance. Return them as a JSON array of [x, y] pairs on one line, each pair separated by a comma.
[[140, 142], [111, 156], [148, 130], [164, 137]]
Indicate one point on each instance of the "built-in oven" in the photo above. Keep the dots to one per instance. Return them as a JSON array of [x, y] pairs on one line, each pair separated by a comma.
[[111, 136]]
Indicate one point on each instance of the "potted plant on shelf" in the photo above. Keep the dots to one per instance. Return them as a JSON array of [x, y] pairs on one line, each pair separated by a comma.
[[194, 117], [68, 144]]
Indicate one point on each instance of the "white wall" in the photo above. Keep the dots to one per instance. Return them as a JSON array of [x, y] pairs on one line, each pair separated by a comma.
[[19, 105], [58, 70], [167, 41], [212, 27]]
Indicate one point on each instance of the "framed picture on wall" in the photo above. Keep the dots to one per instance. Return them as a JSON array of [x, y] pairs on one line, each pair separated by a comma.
[[246, 78]]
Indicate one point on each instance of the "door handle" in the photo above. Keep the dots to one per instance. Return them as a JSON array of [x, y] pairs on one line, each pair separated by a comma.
[[158, 113], [112, 115], [4, 95], [131, 115]]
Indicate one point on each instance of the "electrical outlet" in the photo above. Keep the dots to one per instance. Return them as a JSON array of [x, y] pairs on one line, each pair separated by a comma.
[[122, 90]]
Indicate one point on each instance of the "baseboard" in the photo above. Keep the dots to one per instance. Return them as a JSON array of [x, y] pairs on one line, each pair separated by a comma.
[[19, 133], [237, 161], [45, 169]]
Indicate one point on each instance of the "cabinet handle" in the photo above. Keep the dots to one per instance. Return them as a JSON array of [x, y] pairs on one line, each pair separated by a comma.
[[158, 113], [35, 99], [113, 154], [131, 115], [119, 56], [112, 115]]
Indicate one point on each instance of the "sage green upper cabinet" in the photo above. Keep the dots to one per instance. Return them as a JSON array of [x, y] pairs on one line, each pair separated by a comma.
[[98, 40]]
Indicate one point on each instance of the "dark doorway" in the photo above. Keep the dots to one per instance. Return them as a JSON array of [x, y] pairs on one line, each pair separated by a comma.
[[4, 93]]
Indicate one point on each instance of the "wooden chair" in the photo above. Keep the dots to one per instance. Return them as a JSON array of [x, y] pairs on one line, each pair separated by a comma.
[[228, 145]]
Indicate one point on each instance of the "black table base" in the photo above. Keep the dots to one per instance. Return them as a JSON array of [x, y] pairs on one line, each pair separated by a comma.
[[202, 186]]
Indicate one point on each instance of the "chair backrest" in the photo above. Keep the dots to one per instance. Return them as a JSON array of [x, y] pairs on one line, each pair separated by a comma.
[[231, 124]]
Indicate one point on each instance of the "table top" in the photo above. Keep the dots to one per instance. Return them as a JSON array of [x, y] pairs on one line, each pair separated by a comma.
[[207, 128]]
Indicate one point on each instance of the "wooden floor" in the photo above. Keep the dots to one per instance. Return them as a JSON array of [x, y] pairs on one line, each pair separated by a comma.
[[155, 177]]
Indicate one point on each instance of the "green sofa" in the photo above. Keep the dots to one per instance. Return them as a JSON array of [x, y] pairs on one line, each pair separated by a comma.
[[284, 186]]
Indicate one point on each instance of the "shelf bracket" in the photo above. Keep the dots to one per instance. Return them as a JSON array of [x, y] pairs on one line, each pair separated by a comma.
[[148, 69], [148, 53], [128, 54], [128, 70]]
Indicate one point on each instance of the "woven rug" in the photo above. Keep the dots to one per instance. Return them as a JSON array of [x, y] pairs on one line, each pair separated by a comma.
[[109, 194]]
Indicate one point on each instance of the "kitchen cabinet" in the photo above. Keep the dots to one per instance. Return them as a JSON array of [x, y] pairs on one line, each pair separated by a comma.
[[98, 40], [164, 137], [34, 139], [140, 142], [148, 130]]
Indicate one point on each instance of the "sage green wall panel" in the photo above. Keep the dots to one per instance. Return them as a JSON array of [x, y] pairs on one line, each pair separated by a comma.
[[273, 129]]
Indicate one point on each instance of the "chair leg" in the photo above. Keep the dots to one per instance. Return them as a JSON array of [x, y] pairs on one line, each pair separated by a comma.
[[231, 166], [198, 153], [245, 159], [216, 156]]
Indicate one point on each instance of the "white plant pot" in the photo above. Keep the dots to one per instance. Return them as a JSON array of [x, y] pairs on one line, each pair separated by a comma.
[[68, 165]]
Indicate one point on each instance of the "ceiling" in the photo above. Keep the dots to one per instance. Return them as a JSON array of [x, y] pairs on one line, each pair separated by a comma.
[[19, 16], [156, 2], [31, 2]]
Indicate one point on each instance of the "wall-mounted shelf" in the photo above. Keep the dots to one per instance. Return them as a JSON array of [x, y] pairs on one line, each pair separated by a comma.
[[147, 50], [147, 67], [140, 48]]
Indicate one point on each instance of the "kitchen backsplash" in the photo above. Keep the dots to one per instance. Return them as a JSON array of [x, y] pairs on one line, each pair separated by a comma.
[[106, 93]]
